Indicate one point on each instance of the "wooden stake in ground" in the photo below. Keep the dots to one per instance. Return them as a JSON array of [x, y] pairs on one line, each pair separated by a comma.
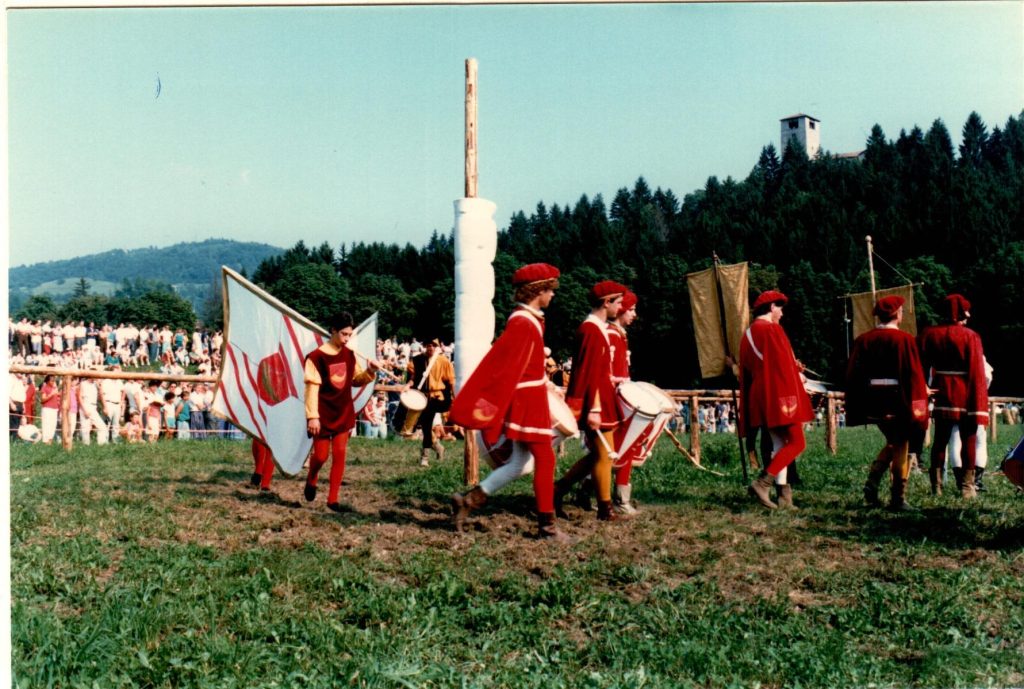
[[471, 454], [65, 413]]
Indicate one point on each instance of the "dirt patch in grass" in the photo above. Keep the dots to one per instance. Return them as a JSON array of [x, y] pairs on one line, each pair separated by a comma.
[[745, 555]]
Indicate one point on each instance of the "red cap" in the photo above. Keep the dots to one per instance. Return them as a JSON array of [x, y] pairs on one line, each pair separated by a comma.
[[888, 306], [628, 300], [534, 272], [607, 288], [958, 307], [769, 297]]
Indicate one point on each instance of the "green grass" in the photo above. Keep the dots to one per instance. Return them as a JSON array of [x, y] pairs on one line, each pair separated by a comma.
[[157, 566]]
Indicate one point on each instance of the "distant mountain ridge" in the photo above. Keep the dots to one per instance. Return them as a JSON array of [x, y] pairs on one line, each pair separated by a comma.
[[184, 263]]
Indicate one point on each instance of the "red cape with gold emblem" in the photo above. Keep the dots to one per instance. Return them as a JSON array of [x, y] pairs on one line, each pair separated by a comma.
[[507, 391], [772, 393], [954, 356], [884, 380]]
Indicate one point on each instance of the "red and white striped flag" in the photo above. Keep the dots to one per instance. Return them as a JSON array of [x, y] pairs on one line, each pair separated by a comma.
[[261, 384]]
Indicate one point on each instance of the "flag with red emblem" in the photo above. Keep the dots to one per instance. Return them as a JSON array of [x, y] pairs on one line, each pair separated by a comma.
[[260, 387]]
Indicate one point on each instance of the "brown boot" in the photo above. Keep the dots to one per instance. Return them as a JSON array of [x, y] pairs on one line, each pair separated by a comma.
[[968, 491], [546, 528], [785, 498], [761, 488], [462, 505], [898, 496], [935, 477], [560, 491], [605, 513], [875, 474]]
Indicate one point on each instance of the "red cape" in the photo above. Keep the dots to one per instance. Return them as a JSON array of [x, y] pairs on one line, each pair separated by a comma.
[[772, 393], [953, 354], [485, 399], [885, 354], [592, 375]]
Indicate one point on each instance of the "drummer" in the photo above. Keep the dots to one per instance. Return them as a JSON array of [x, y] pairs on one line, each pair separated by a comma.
[[591, 397], [507, 394], [620, 374], [433, 373], [330, 372]]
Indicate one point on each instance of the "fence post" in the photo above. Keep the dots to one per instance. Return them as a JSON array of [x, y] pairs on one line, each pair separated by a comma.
[[831, 424], [694, 429], [992, 421], [65, 413]]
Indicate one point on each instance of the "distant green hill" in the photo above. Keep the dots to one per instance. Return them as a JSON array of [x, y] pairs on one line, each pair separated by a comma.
[[190, 266]]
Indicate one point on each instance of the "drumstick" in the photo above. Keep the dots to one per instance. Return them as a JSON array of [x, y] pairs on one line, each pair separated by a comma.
[[612, 454], [685, 453]]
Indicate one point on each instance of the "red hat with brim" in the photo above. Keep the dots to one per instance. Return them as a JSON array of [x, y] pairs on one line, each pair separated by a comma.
[[628, 300], [534, 272], [769, 297], [958, 307], [607, 288], [886, 307]]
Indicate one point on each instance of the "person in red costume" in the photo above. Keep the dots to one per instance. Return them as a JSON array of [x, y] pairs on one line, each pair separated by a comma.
[[330, 372], [620, 373], [953, 355], [263, 462], [772, 395], [591, 397], [885, 386], [507, 395]]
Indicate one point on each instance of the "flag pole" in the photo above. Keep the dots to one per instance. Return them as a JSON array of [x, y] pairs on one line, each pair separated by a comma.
[[471, 454], [871, 266], [725, 338]]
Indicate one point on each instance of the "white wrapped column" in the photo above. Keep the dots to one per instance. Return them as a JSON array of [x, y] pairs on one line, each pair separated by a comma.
[[476, 243]]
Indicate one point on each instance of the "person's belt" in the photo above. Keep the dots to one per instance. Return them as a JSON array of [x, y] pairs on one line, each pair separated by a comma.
[[531, 383], [950, 373], [883, 382]]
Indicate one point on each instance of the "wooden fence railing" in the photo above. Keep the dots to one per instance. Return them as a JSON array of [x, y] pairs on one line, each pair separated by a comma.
[[692, 397]]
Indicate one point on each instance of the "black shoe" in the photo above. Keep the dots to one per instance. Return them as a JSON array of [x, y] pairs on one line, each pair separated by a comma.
[[255, 479], [310, 493], [338, 507]]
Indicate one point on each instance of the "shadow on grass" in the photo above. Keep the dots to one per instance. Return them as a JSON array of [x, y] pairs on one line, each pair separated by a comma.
[[950, 527]]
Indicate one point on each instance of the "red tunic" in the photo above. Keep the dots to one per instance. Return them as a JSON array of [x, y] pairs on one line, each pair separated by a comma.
[[334, 399], [953, 356], [884, 380], [591, 383], [620, 350], [507, 392], [772, 393]]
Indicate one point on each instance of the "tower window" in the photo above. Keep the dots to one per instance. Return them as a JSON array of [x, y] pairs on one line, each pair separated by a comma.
[[811, 123], [792, 124]]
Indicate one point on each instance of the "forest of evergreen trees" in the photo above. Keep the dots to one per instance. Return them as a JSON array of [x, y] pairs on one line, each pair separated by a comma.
[[950, 218]]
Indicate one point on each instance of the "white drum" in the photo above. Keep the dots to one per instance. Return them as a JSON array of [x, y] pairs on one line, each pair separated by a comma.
[[645, 413], [563, 423], [30, 433], [414, 402]]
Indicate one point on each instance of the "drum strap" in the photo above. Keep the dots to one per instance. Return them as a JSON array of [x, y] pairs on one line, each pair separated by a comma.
[[430, 365]]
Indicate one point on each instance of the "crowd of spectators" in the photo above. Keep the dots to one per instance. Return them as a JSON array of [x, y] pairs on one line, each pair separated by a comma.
[[129, 410], [77, 345]]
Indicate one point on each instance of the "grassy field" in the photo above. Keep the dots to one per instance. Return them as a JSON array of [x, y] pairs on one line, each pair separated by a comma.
[[158, 566]]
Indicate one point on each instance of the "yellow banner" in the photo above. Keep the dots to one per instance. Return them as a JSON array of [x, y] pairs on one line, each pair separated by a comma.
[[864, 306], [707, 315], [735, 290]]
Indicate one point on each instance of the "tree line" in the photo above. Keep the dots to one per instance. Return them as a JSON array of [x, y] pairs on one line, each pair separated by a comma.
[[948, 217]]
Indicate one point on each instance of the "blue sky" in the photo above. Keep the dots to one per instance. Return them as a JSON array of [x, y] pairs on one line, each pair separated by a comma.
[[346, 124]]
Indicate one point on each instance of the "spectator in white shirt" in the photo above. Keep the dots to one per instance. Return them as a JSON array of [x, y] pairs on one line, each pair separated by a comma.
[[88, 411]]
